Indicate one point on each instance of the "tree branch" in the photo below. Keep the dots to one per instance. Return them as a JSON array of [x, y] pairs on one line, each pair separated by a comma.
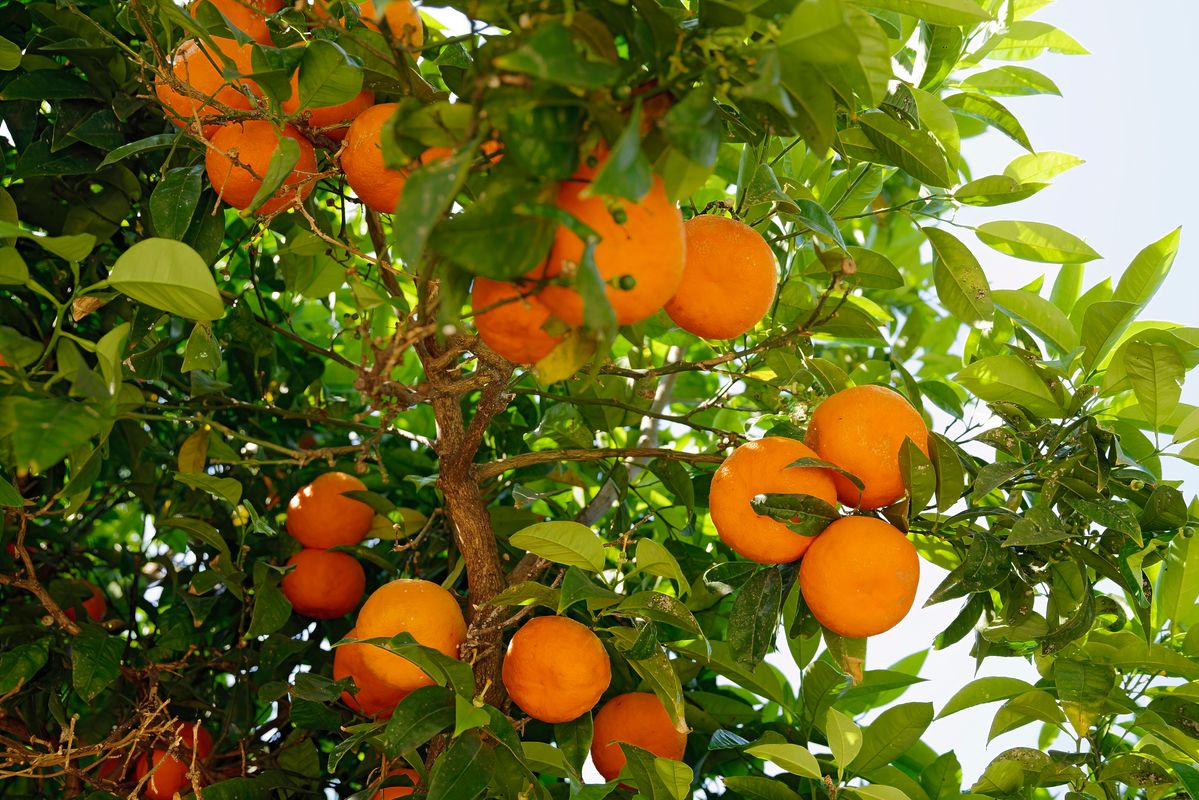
[[484, 471]]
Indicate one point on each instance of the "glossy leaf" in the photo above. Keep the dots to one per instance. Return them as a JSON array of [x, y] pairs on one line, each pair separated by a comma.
[[170, 276], [1035, 241]]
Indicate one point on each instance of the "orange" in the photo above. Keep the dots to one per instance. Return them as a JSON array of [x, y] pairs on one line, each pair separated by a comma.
[[861, 430], [170, 773], [252, 143], [728, 279], [248, 16], [756, 468], [555, 669], [402, 19], [325, 584], [859, 577], [374, 699], [423, 609], [377, 186], [640, 719], [392, 792], [319, 516], [95, 606], [201, 70], [641, 258], [512, 323]]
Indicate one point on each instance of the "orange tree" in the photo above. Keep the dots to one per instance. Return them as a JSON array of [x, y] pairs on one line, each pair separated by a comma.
[[277, 497]]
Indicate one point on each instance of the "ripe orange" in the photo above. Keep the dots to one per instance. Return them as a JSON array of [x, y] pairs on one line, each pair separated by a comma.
[[362, 161], [861, 430], [374, 699], [95, 606], [170, 773], [645, 251], [392, 792], [423, 609], [728, 279], [238, 159], [756, 468], [201, 70], [640, 719], [859, 577], [402, 19], [513, 325], [319, 516], [555, 669], [249, 16], [325, 584]]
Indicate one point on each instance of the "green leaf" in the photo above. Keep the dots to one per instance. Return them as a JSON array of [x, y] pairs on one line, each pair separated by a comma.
[[819, 32], [657, 671], [1009, 379], [792, 757], [951, 477], [653, 558], [1040, 316], [960, 281], [891, 734], [159, 141], [874, 270], [752, 787], [1177, 597], [328, 75], [919, 477], [1032, 706], [803, 514], [1103, 323], [13, 269], [174, 201], [95, 661], [550, 55], [283, 161], [227, 489], [1040, 167], [1012, 81], [1035, 241], [1038, 525], [42, 432], [428, 194], [202, 531], [498, 236], [844, 738], [20, 663], [658, 607], [10, 55], [569, 543], [995, 190], [271, 608], [202, 350], [626, 171], [462, 772], [913, 151], [878, 791], [9, 498], [1156, 372], [938, 12], [170, 276], [1028, 38], [72, 248], [754, 618], [1143, 277], [942, 779], [991, 112]]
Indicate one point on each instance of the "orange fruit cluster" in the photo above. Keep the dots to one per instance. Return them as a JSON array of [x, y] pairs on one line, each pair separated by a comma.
[[859, 575], [324, 583], [196, 90], [714, 276]]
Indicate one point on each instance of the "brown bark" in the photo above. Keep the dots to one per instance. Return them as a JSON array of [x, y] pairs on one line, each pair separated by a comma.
[[457, 443]]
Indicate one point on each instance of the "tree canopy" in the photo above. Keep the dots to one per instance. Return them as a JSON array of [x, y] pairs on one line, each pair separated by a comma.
[[201, 316]]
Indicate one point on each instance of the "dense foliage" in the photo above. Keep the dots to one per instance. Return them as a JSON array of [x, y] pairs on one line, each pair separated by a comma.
[[177, 370]]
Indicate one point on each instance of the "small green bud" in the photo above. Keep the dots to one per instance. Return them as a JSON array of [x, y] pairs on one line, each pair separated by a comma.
[[626, 282]]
